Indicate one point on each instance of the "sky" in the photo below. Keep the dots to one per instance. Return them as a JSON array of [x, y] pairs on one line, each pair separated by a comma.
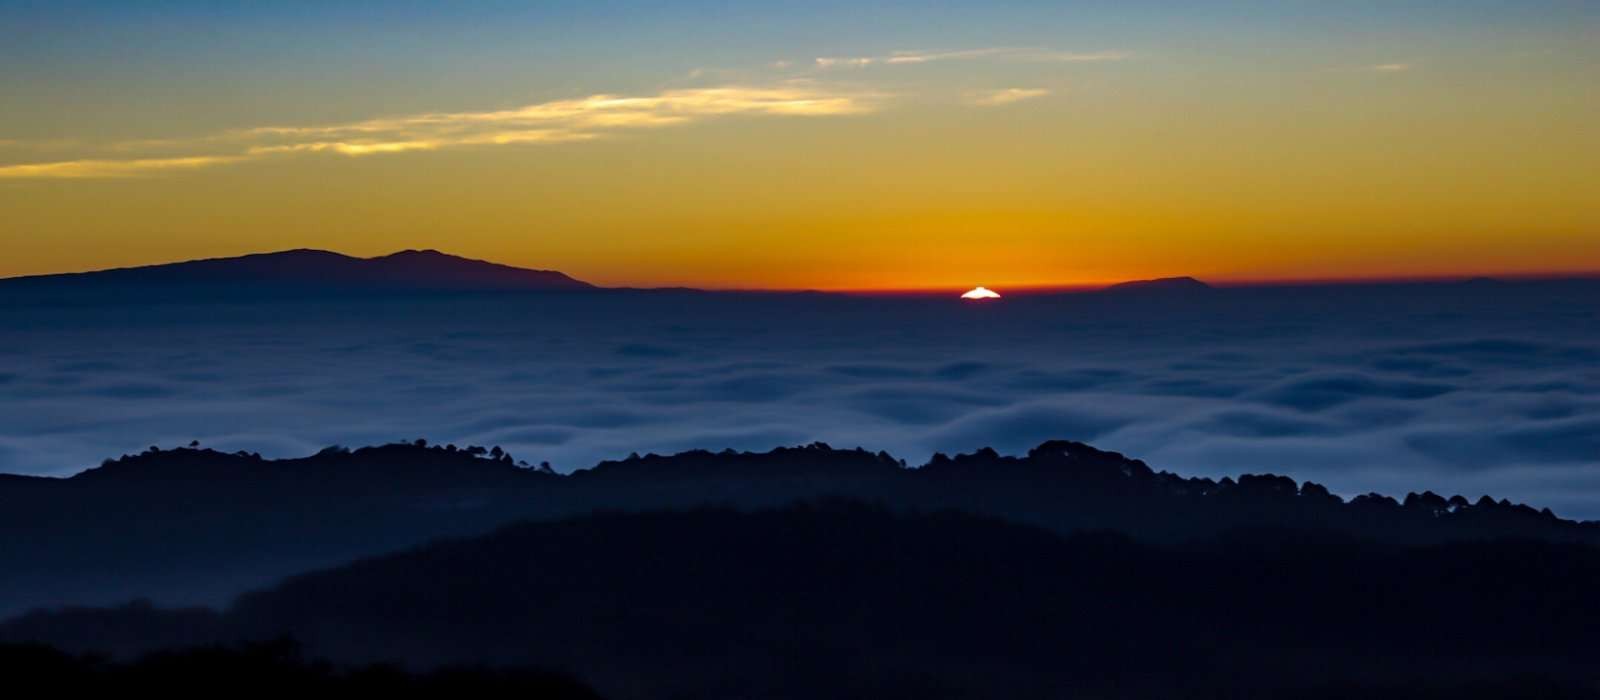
[[823, 145]]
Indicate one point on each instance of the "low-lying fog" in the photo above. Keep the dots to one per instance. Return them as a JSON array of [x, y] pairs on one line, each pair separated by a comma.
[[1459, 388]]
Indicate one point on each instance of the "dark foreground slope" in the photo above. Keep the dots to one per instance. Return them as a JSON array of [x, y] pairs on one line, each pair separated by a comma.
[[846, 600], [260, 669], [193, 526]]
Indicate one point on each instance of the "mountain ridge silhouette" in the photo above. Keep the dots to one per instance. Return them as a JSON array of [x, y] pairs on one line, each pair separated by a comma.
[[193, 525], [307, 269], [1162, 285]]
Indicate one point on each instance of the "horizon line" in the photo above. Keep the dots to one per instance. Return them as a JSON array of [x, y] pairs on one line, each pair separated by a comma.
[[1027, 289]]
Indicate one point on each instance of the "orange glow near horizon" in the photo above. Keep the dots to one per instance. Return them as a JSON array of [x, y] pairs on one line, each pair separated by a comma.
[[791, 167]]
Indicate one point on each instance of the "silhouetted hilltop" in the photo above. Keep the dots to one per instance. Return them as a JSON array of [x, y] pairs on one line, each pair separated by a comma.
[[839, 599], [1164, 285], [193, 525], [817, 460], [382, 466], [297, 272]]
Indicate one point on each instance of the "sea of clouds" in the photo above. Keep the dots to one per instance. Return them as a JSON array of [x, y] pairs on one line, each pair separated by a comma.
[[1462, 389]]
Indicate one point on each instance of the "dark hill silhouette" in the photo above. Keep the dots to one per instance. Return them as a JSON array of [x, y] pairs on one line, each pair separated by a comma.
[[298, 272], [844, 600], [197, 526], [1164, 285], [267, 669]]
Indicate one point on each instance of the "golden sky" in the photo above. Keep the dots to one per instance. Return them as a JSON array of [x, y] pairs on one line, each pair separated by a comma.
[[1438, 141]]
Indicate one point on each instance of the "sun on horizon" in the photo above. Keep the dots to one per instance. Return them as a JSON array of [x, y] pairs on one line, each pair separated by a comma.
[[980, 294]]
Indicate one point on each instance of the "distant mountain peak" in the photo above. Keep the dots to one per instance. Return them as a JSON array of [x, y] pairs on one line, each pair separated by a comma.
[[1163, 284], [302, 271], [414, 252]]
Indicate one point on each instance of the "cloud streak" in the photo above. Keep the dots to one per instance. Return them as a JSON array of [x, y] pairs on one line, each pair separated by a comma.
[[995, 98], [1021, 55], [559, 121], [94, 168]]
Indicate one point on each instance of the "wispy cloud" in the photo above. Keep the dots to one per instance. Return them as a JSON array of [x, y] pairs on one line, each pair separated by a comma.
[[1391, 67], [92, 168], [994, 98], [343, 148], [1029, 55], [546, 122], [845, 62]]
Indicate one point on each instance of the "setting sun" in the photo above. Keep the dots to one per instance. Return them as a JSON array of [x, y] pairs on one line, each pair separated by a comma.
[[980, 293]]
